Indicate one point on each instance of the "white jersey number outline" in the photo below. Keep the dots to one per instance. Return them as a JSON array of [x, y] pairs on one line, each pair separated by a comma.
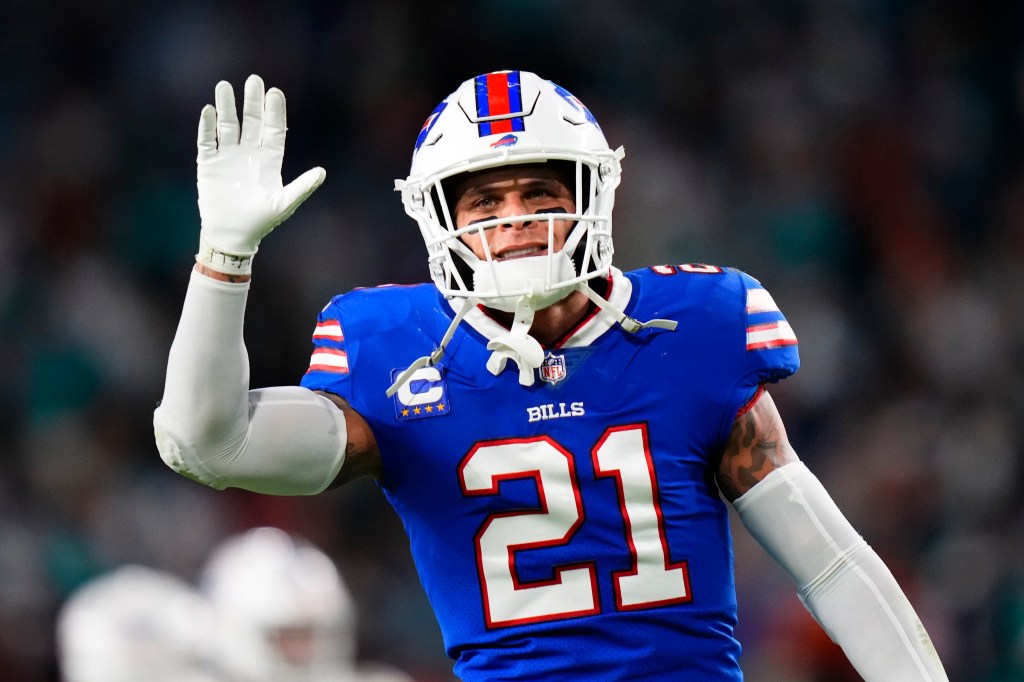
[[622, 453]]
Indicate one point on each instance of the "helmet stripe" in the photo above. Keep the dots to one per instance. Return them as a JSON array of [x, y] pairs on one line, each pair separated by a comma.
[[499, 94]]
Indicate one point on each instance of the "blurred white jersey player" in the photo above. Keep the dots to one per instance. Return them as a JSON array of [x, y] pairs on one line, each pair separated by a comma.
[[136, 623], [284, 612]]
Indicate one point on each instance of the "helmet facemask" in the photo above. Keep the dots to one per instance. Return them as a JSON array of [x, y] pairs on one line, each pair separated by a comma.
[[544, 279]]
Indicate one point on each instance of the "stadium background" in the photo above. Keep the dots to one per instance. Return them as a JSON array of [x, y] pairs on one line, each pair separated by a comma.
[[861, 157]]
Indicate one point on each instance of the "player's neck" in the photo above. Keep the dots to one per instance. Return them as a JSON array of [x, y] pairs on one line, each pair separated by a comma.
[[554, 322]]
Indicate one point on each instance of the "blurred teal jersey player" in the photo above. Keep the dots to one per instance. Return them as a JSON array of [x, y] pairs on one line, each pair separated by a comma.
[[559, 438]]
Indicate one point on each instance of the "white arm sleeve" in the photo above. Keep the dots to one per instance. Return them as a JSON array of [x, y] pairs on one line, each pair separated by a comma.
[[210, 427], [840, 579]]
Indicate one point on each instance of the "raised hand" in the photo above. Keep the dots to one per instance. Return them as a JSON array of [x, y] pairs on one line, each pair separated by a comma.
[[241, 194]]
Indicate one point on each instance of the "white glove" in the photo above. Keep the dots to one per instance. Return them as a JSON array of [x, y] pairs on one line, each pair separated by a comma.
[[241, 196]]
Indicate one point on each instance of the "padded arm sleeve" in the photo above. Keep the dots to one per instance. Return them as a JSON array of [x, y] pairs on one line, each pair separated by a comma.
[[283, 441], [840, 579]]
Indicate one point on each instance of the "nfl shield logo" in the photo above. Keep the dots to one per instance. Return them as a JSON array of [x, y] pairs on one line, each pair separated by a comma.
[[552, 370]]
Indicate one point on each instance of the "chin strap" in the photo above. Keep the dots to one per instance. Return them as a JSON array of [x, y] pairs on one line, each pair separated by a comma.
[[434, 357], [630, 324], [517, 345]]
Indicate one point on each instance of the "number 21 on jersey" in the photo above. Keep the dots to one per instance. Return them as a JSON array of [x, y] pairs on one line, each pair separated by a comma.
[[623, 454]]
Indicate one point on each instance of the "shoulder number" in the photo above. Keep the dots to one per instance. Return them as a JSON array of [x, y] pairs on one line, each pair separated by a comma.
[[698, 268]]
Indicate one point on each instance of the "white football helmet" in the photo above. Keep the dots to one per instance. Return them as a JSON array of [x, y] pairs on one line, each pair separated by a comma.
[[136, 623], [283, 609], [500, 119], [497, 119]]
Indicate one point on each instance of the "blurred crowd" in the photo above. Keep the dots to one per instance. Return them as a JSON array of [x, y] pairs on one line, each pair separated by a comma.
[[862, 158]]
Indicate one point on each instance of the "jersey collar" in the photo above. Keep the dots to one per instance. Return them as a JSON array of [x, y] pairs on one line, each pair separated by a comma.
[[597, 322]]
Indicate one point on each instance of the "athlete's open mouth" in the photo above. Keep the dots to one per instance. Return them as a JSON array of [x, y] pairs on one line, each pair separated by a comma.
[[521, 252]]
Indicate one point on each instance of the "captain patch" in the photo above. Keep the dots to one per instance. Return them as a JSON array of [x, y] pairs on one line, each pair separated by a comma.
[[425, 394]]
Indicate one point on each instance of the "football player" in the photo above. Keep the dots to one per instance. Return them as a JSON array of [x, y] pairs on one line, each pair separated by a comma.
[[283, 612], [136, 623], [559, 438]]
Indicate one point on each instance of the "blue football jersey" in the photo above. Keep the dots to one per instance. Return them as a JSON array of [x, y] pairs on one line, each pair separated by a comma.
[[571, 529]]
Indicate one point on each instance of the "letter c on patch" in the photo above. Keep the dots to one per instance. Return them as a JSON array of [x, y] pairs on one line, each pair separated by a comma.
[[424, 386]]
